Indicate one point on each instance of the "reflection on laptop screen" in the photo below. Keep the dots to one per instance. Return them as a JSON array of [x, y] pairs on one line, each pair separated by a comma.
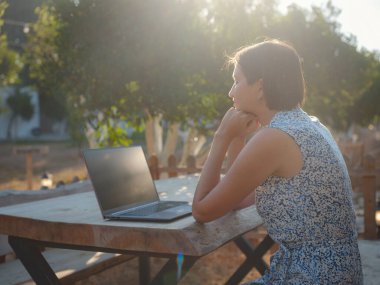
[[121, 181]]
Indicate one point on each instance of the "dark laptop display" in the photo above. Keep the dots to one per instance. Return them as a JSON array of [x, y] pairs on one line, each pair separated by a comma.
[[124, 187]]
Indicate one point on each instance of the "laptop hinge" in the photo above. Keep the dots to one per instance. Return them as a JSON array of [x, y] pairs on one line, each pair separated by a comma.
[[134, 208]]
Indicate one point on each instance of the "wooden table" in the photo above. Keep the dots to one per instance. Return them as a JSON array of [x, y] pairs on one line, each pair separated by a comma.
[[75, 222]]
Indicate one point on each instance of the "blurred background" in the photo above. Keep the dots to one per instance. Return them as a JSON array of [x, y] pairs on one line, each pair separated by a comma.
[[91, 73]]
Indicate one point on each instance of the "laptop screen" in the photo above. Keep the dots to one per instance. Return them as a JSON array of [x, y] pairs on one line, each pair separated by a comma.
[[120, 177]]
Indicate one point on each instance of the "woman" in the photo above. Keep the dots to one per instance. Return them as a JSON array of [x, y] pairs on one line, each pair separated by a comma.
[[292, 167]]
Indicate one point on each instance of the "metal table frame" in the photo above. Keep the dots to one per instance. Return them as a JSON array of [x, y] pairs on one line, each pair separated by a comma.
[[28, 251]]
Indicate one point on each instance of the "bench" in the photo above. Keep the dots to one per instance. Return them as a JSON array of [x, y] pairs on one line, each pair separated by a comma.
[[370, 257], [364, 180], [69, 265]]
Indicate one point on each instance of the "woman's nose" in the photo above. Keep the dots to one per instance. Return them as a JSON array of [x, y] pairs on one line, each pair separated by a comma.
[[230, 93]]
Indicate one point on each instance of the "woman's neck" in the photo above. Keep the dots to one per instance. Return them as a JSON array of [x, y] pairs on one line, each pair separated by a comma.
[[267, 116]]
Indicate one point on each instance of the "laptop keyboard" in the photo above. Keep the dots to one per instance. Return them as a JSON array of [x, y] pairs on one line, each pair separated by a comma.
[[150, 209]]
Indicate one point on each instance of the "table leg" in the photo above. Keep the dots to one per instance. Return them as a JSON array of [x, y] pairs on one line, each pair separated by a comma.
[[254, 258], [168, 273], [144, 270], [28, 251], [30, 255]]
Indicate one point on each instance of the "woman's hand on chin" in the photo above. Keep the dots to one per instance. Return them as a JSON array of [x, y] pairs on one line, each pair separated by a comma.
[[236, 123]]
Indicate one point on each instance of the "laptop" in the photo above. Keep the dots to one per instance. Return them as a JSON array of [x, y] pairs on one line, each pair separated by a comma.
[[125, 189]]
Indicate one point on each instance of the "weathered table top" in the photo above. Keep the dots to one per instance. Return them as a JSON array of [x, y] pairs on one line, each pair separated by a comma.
[[76, 220]]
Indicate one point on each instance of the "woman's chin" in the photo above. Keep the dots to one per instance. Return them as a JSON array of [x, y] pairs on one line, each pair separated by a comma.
[[245, 111]]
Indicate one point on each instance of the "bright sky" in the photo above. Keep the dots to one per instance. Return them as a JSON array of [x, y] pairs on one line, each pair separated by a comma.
[[358, 17]]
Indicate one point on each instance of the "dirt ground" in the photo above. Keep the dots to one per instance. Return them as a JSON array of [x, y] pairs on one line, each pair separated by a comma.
[[63, 161], [212, 269]]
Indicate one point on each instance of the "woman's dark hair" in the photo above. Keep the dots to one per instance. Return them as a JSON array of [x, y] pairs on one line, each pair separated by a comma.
[[279, 66]]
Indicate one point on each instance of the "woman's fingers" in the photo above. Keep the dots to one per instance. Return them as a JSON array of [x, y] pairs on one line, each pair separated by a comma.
[[237, 123], [251, 122]]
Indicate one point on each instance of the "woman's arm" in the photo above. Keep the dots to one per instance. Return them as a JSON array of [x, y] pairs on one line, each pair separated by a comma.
[[210, 175], [234, 149], [231, 133], [260, 158], [230, 136]]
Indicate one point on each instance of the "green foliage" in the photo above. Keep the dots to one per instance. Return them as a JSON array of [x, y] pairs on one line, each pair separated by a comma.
[[44, 63], [20, 104], [366, 109], [138, 61], [76, 127], [111, 128], [10, 62], [335, 72], [129, 60]]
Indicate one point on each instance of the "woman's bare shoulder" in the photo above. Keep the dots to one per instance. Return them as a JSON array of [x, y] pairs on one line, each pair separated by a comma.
[[270, 137], [276, 147]]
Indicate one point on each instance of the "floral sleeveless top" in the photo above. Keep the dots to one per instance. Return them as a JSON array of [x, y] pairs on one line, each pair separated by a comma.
[[311, 214]]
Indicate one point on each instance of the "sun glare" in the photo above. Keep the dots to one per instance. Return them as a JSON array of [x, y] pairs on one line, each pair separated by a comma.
[[358, 18]]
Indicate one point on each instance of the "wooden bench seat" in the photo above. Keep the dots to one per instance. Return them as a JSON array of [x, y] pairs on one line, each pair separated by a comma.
[[69, 265]]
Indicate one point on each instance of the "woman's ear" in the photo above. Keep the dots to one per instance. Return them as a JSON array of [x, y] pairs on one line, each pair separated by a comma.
[[260, 88], [260, 84]]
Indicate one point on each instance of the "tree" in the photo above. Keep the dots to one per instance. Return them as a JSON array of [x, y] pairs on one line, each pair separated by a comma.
[[156, 65], [336, 73], [366, 109], [44, 63], [124, 61], [20, 104], [10, 62]]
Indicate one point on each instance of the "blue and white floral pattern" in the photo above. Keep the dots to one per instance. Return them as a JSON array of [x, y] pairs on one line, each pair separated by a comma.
[[311, 214]]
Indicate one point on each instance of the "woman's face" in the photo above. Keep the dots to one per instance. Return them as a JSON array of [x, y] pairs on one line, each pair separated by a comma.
[[246, 97]]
